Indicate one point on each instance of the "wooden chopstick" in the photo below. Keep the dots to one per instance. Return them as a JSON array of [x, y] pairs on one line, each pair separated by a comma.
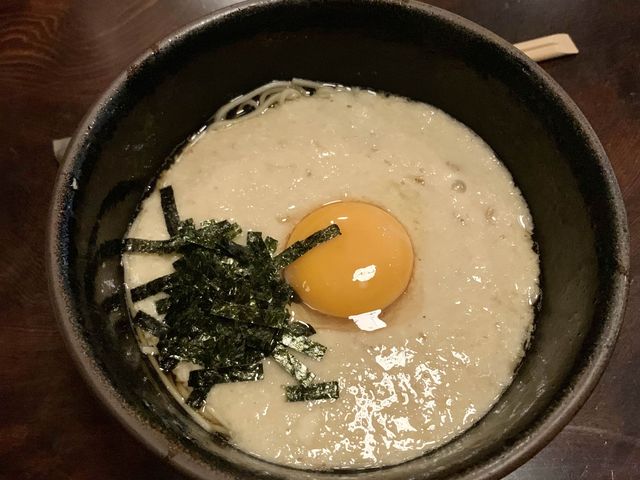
[[546, 48]]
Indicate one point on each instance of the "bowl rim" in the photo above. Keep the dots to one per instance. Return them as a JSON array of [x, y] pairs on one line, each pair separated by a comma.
[[531, 441]]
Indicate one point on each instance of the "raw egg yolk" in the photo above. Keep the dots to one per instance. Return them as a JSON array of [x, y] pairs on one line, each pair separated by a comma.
[[364, 269]]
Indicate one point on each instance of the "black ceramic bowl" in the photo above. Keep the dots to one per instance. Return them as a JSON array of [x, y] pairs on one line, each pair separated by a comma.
[[404, 48]]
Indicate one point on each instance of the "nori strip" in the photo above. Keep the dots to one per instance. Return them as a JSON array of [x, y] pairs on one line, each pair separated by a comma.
[[227, 304], [163, 305], [139, 245], [272, 245], [170, 210], [187, 235], [198, 395], [145, 290], [210, 234], [262, 339], [292, 365], [315, 391], [302, 344], [250, 314], [301, 247], [207, 340], [258, 247], [297, 328], [150, 324], [186, 230]]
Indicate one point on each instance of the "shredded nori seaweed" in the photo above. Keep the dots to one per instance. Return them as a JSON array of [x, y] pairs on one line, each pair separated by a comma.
[[314, 391], [137, 245], [298, 328], [160, 284], [292, 365], [162, 305], [299, 248], [170, 210], [302, 344], [226, 307], [149, 323]]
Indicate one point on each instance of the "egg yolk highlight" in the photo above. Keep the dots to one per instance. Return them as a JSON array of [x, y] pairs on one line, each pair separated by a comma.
[[364, 269]]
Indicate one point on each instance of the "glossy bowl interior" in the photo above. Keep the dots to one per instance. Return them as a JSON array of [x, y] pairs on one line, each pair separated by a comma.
[[403, 48]]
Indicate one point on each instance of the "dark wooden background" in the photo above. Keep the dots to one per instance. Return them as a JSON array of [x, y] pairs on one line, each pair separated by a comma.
[[56, 56]]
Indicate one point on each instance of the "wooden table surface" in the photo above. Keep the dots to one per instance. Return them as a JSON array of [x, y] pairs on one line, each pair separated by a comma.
[[56, 56]]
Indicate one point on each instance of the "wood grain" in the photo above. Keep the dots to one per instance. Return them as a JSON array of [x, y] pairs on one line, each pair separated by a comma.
[[56, 56]]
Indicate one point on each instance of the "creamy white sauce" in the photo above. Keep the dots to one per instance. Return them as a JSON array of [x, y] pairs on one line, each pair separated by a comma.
[[454, 338]]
